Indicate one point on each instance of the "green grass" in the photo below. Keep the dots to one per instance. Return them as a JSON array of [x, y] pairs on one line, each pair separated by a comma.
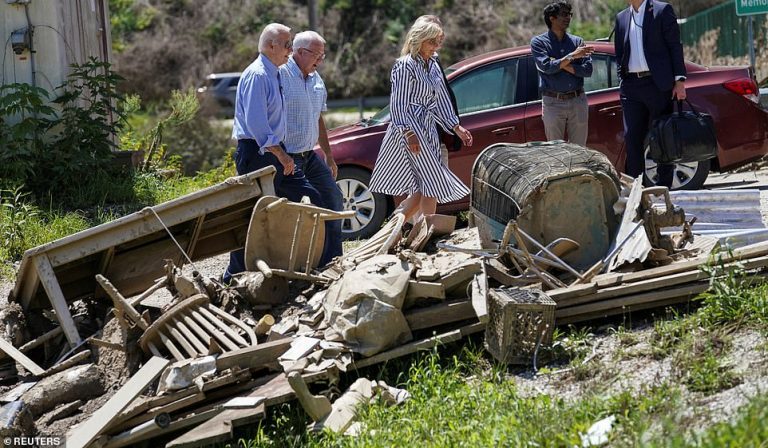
[[458, 401], [24, 225], [461, 398]]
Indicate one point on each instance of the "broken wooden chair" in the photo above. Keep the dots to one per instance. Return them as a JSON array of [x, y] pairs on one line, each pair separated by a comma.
[[194, 328], [274, 246]]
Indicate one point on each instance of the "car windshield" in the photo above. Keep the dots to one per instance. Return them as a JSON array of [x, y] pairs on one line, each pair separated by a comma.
[[380, 116]]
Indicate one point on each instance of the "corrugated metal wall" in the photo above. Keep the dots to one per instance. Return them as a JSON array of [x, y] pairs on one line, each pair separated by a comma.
[[65, 32], [733, 37]]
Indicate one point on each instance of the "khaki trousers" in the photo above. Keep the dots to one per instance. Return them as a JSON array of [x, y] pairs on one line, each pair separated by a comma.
[[571, 115]]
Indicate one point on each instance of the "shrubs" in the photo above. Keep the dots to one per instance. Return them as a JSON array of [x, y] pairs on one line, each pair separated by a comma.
[[54, 148]]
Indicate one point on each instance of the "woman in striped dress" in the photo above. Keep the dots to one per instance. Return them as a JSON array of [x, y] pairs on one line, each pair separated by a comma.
[[409, 161]]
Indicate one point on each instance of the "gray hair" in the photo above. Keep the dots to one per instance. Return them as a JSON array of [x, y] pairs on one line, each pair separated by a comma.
[[421, 31], [271, 32], [305, 38]]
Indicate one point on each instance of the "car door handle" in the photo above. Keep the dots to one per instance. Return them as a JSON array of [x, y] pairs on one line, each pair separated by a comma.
[[612, 111], [504, 131]]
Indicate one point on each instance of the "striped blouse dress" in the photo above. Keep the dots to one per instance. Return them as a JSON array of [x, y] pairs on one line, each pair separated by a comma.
[[418, 102]]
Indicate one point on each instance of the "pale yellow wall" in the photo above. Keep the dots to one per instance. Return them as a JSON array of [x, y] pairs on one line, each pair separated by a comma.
[[65, 32]]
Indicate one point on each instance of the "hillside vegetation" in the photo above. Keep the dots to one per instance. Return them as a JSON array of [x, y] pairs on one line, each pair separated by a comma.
[[161, 45]]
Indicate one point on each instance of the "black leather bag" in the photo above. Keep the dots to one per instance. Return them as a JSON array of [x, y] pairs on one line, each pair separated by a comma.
[[683, 136]]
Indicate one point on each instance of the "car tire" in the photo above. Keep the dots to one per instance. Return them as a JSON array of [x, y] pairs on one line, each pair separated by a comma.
[[687, 176], [371, 208]]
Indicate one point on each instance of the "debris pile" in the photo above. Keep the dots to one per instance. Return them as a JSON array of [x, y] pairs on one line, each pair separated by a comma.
[[180, 359]]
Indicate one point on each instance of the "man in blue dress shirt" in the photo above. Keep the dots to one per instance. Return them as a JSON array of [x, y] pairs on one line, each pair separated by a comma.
[[305, 98], [563, 61], [260, 128]]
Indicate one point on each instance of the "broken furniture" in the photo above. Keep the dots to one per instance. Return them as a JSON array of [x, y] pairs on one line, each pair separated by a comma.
[[287, 238], [195, 328], [552, 190], [130, 251]]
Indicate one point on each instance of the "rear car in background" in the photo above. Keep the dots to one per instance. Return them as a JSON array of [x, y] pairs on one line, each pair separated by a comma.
[[499, 101], [222, 88]]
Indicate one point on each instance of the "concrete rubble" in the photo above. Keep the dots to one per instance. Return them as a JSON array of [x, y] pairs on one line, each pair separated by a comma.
[[174, 358]]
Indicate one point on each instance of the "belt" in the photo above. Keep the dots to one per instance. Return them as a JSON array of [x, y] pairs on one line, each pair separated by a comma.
[[563, 95], [639, 74], [302, 155]]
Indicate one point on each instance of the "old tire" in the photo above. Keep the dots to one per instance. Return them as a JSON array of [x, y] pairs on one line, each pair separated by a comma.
[[687, 176], [371, 208]]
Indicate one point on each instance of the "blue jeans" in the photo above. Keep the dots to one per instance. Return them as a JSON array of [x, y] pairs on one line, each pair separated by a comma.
[[307, 179]]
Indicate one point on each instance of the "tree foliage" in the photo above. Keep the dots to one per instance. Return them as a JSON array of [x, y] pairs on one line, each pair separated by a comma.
[[186, 40]]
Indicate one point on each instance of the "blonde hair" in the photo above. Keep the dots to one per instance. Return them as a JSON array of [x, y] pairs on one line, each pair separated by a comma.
[[422, 30]]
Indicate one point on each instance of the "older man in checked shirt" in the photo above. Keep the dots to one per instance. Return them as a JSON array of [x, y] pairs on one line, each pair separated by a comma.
[[305, 97], [260, 127]]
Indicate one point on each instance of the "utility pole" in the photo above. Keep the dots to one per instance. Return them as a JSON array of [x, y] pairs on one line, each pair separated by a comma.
[[312, 5]]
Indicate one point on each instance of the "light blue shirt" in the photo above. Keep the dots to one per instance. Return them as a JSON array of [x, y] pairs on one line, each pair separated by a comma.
[[304, 101], [259, 105]]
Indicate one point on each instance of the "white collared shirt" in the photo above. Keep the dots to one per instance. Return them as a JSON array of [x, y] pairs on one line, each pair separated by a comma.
[[637, 62]]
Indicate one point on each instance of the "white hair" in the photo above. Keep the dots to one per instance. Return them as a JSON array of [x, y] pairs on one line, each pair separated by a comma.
[[305, 38], [270, 32]]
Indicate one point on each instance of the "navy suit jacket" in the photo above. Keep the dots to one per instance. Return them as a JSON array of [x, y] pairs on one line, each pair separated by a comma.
[[661, 43]]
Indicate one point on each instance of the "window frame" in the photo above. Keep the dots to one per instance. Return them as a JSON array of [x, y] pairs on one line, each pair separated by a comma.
[[519, 87]]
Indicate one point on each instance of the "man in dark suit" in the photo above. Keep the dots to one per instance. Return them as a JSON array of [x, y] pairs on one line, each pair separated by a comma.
[[649, 59]]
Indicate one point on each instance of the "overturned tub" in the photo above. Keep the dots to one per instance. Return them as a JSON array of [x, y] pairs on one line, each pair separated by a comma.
[[553, 190]]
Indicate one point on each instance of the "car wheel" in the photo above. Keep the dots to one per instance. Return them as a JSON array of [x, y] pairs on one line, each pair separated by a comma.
[[686, 176], [371, 209]]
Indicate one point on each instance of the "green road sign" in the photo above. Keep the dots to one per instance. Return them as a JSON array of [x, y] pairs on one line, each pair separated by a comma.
[[750, 7]]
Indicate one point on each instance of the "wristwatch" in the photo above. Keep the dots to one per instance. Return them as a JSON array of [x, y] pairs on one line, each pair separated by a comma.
[[569, 58]]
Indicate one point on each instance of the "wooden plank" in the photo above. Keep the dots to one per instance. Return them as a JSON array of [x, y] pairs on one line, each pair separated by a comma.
[[658, 282], [424, 344], [559, 294], [86, 432], [40, 340], [64, 365], [480, 295], [461, 274], [120, 302], [276, 390], [56, 297], [653, 296], [219, 429], [167, 408], [178, 424], [444, 313], [255, 356], [622, 310], [674, 268], [142, 404], [196, 228], [418, 290]]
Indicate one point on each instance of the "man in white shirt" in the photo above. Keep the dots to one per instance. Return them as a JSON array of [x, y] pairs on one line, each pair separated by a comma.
[[649, 59]]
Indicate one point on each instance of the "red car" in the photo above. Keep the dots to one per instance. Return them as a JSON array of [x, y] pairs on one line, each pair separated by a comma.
[[499, 101]]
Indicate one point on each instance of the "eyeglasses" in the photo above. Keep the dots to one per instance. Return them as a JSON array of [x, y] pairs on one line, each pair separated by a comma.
[[436, 41], [288, 45], [564, 14], [319, 56]]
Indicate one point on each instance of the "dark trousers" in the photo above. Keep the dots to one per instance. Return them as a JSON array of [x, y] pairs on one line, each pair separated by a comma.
[[643, 102], [308, 179]]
